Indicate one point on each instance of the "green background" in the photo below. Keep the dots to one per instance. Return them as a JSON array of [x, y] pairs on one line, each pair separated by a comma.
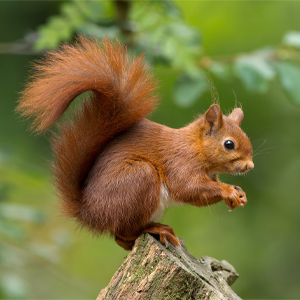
[[261, 240]]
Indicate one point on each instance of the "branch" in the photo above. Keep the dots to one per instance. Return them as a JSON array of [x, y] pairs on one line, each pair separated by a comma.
[[22, 46], [267, 55], [123, 8]]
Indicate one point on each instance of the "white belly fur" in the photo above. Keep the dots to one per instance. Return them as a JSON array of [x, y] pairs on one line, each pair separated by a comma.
[[165, 202]]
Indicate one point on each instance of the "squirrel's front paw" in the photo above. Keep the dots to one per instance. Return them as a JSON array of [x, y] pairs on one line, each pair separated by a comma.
[[234, 196]]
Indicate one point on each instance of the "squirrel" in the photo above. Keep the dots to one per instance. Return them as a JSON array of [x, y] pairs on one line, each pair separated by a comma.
[[116, 171]]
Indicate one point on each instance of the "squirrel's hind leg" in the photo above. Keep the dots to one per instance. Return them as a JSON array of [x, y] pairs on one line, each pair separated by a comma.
[[127, 195], [164, 231], [125, 244]]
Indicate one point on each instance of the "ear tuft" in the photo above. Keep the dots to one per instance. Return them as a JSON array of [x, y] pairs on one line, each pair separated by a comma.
[[213, 118], [237, 116]]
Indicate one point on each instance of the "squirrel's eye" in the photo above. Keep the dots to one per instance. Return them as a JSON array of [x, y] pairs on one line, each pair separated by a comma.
[[229, 144]]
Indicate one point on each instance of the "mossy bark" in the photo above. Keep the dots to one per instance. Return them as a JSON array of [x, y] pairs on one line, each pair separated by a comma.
[[152, 271]]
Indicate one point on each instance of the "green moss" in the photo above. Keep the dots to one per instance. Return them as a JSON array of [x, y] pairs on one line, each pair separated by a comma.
[[185, 286], [142, 269], [154, 289]]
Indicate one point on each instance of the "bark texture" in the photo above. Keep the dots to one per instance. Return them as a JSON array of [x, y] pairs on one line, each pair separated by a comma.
[[152, 271]]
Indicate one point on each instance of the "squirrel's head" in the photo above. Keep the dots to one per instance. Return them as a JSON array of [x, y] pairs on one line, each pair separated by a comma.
[[224, 145]]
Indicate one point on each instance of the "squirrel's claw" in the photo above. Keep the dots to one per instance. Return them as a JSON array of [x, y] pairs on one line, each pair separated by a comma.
[[165, 233]]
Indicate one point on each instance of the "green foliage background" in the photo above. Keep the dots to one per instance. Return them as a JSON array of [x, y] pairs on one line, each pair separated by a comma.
[[44, 256]]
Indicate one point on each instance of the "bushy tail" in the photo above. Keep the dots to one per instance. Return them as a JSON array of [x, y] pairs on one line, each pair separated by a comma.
[[121, 95]]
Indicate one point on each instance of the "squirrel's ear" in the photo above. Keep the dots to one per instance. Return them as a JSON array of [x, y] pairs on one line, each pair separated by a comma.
[[237, 116], [213, 119]]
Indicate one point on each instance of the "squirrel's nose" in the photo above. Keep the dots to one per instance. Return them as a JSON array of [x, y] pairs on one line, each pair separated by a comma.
[[249, 166]]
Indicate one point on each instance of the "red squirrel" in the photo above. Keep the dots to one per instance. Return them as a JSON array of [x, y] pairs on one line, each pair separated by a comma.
[[116, 171]]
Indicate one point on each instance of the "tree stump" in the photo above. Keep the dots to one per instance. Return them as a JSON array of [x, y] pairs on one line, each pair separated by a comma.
[[153, 271]]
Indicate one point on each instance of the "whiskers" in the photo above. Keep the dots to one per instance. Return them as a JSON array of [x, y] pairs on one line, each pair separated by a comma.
[[261, 150]]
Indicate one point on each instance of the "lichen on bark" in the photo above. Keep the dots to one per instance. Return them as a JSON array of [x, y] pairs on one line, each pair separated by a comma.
[[152, 271]]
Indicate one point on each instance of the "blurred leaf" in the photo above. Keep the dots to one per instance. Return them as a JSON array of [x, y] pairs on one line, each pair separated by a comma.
[[184, 31], [99, 31], [61, 237], [72, 14], [13, 286], [289, 76], [169, 48], [47, 252], [92, 10], [165, 37], [11, 230], [188, 89], [171, 8], [18, 212], [254, 72], [58, 29], [292, 38], [4, 188], [221, 70], [3, 156]]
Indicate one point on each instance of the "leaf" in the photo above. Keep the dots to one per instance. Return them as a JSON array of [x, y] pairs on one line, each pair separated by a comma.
[[289, 76], [169, 48], [47, 252], [13, 286], [61, 237], [58, 29], [4, 188], [223, 71], [72, 13], [171, 8], [254, 72], [11, 230], [92, 29], [292, 38], [188, 89], [62, 27], [19, 212]]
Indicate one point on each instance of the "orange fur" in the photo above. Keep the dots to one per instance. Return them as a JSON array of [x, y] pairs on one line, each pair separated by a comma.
[[112, 163]]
